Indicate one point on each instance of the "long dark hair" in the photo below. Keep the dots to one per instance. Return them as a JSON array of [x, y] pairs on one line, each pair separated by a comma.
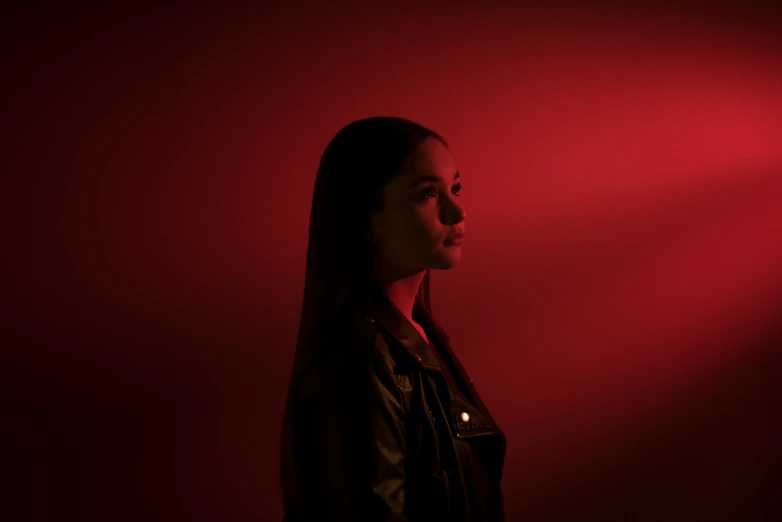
[[358, 162]]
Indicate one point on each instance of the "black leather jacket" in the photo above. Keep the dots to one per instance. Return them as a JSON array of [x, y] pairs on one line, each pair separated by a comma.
[[380, 431]]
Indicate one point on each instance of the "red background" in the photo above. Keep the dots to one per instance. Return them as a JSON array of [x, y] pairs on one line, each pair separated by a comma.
[[617, 304]]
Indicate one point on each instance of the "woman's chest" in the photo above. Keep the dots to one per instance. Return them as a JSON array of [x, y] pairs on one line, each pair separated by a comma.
[[455, 452]]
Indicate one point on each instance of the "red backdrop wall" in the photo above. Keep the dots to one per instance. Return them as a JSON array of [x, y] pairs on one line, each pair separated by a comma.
[[617, 304]]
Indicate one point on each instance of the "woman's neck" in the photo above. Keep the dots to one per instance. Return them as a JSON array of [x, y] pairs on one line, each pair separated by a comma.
[[403, 292]]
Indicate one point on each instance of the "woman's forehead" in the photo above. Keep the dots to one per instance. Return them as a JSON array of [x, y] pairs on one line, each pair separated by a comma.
[[430, 158]]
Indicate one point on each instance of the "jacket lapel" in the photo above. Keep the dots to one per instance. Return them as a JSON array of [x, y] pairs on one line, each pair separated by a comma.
[[386, 314], [379, 311], [424, 316]]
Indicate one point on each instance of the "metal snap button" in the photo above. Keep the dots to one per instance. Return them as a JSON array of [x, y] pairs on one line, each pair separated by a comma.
[[465, 417]]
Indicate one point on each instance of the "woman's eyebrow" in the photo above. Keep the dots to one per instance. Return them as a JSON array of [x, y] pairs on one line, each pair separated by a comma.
[[431, 177]]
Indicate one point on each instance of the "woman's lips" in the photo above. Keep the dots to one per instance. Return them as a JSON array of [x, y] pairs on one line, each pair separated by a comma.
[[455, 240]]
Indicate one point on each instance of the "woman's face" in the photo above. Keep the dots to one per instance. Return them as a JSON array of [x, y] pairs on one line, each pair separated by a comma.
[[422, 207]]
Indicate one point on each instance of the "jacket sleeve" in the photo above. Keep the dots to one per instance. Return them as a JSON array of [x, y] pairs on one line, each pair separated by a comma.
[[349, 446]]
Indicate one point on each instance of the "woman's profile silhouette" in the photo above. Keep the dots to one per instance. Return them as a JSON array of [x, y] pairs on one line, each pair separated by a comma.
[[382, 421]]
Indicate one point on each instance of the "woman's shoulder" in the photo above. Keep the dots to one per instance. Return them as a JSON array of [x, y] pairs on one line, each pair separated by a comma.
[[372, 341], [342, 361], [345, 345]]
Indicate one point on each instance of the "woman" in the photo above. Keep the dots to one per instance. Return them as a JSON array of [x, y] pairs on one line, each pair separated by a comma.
[[381, 421]]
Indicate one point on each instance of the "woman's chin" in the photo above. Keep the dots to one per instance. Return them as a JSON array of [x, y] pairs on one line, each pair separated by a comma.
[[449, 259]]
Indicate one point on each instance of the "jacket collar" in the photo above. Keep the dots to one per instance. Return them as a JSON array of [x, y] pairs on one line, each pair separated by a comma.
[[378, 309]]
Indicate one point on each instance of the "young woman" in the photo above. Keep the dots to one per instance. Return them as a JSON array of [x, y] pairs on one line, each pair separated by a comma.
[[382, 422]]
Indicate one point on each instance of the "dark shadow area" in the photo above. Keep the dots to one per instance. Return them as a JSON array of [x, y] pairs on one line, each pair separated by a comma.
[[125, 430], [715, 456]]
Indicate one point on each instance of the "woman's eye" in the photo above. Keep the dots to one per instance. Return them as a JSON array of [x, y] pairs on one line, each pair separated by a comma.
[[433, 190]]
